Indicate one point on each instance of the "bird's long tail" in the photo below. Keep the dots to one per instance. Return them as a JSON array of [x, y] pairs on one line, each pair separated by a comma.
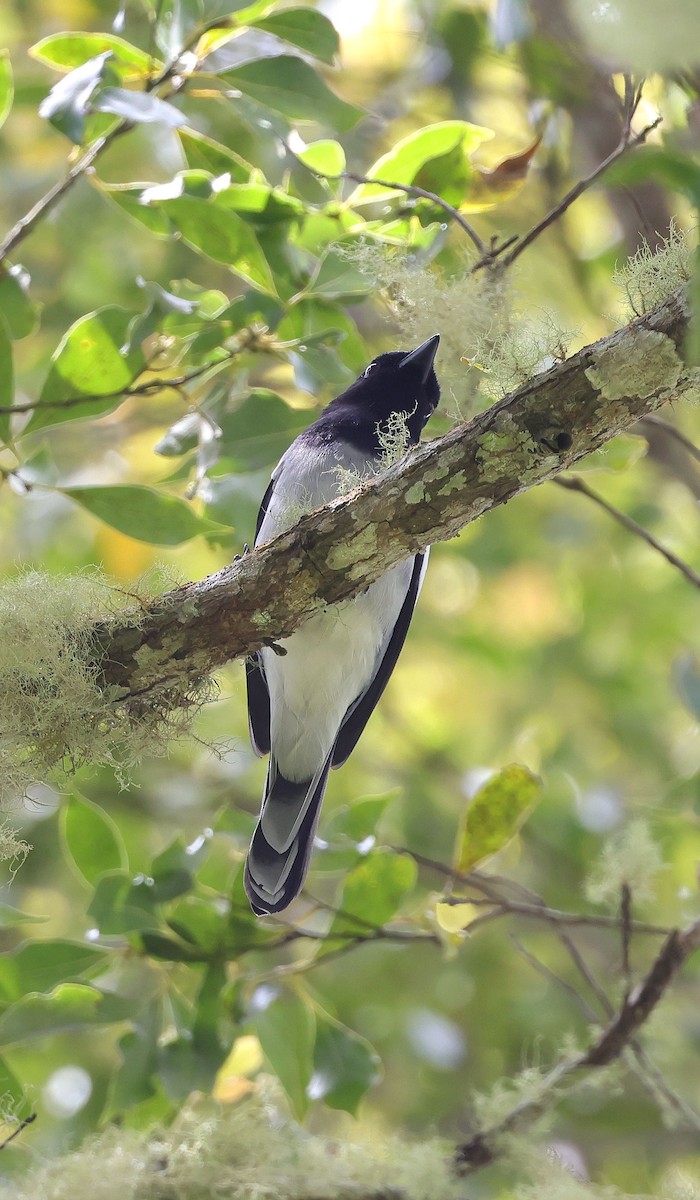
[[279, 854]]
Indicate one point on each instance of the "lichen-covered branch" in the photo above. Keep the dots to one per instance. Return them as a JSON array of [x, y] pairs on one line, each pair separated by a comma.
[[542, 428]]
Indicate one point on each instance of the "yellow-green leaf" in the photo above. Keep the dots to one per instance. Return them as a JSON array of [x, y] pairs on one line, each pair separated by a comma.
[[496, 814], [66, 51], [406, 159]]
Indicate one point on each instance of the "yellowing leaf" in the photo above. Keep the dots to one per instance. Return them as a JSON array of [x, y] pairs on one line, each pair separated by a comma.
[[245, 1059], [495, 815], [454, 918]]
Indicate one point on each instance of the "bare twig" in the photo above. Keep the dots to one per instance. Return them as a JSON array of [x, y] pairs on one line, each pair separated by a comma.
[[16, 1132], [574, 483], [618, 1035], [409, 189], [626, 143], [504, 906]]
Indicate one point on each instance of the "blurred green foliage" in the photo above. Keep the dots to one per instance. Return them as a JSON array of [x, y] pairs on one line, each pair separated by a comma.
[[165, 331]]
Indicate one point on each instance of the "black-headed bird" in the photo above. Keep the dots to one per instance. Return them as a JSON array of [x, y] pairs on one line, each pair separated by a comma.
[[308, 708]]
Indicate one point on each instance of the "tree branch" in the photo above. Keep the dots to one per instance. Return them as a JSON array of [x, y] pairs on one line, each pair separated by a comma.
[[537, 431], [614, 1039]]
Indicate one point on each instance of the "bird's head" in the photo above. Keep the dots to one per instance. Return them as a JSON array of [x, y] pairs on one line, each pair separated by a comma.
[[401, 381]]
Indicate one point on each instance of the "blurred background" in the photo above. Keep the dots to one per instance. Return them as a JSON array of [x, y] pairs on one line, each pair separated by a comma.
[[545, 635]]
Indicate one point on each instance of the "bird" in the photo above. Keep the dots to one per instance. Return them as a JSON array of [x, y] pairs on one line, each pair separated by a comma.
[[309, 703]]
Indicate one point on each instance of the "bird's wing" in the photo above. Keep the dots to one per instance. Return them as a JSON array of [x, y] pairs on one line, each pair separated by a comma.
[[359, 713], [264, 503], [256, 683]]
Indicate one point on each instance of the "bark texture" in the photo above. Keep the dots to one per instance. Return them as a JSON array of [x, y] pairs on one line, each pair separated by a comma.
[[540, 429]]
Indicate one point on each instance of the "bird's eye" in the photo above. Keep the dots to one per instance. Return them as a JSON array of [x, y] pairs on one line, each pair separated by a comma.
[[367, 370]]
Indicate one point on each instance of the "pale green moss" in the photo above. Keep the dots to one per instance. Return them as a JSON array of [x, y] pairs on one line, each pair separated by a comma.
[[631, 857], [53, 714], [650, 276], [247, 1152], [641, 364], [507, 447]]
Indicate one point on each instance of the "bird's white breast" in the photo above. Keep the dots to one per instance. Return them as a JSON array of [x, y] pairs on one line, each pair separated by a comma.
[[333, 657]]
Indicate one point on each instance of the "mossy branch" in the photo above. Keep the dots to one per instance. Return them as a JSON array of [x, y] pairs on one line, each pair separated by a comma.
[[540, 429]]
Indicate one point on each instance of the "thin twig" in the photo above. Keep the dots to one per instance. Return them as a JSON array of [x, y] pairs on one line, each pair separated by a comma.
[[671, 431], [481, 1149], [505, 907], [409, 189], [16, 1132], [549, 974], [574, 483], [624, 145]]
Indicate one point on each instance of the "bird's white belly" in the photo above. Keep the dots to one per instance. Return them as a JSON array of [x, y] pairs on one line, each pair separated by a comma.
[[329, 663]]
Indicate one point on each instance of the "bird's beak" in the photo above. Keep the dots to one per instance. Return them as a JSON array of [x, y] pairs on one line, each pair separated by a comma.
[[422, 359]]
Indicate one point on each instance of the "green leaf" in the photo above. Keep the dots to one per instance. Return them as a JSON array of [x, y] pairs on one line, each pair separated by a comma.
[[121, 904], [345, 1066], [7, 87], [37, 966], [286, 1030], [264, 205], [140, 108], [70, 100], [222, 235], [184, 1067], [351, 832], [10, 917], [338, 278], [91, 839], [404, 161], [205, 154], [90, 362], [66, 51], [162, 946], [306, 28], [287, 85], [7, 379], [259, 430], [133, 1081], [70, 1008], [142, 513], [16, 305], [372, 893], [199, 921], [16, 1099], [495, 815], [325, 156]]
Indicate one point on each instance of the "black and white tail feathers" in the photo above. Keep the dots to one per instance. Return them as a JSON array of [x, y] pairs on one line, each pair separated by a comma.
[[279, 853]]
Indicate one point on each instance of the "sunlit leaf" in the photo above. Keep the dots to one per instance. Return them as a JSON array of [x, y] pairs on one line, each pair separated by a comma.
[[289, 86], [306, 28], [285, 1029], [222, 235], [337, 278], [7, 87], [89, 370], [70, 100], [372, 893], [495, 815], [142, 513], [408, 157], [325, 156], [345, 1066], [454, 918], [66, 51], [69, 1008], [138, 107], [204, 153], [91, 839]]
